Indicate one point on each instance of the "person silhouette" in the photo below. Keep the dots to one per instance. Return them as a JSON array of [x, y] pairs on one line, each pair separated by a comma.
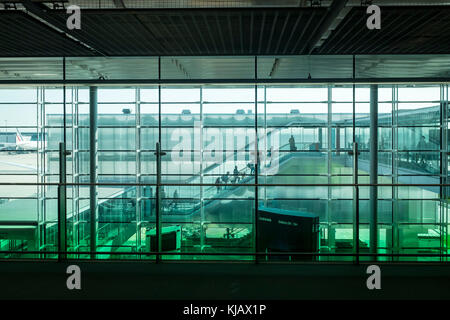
[[421, 147], [175, 199], [218, 184], [236, 174], [292, 146]]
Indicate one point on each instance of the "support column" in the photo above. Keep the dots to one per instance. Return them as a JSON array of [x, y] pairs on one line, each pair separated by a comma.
[[159, 200], [198, 135], [330, 225], [139, 189], [373, 167], [395, 205], [356, 219], [62, 203], [256, 164], [444, 170], [93, 137]]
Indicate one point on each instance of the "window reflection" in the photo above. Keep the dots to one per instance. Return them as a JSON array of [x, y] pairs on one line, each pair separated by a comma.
[[208, 134]]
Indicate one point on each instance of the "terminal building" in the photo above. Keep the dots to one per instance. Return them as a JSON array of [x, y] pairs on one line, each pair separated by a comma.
[[230, 133]]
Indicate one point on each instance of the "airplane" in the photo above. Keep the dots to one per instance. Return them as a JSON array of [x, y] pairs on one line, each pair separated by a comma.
[[30, 144], [23, 144]]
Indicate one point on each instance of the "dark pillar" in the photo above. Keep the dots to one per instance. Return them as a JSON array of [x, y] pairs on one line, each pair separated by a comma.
[[93, 167], [62, 203], [373, 167]]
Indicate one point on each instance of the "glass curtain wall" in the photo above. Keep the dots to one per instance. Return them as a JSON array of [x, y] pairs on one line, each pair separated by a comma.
[[207, 195]]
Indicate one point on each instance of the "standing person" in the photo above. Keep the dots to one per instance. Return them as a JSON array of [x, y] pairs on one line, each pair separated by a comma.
[[269, 155], [175, 199], [292, 146], [258, 164], [226, 177], [243, 175], [163, 198], [218, 184], [421, 146], [251, 166], [236, 174], [429, 156]]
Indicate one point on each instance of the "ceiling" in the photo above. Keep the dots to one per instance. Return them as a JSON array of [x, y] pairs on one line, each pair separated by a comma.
[[220, 28]]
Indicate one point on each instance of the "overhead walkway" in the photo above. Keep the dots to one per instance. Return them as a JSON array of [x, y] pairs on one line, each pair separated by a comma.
[[212, 195]]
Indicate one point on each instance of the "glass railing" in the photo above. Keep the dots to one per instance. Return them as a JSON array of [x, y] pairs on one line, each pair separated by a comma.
[[225, 228]]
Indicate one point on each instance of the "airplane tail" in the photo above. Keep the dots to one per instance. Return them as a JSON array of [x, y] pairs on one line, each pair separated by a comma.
[[19, 137]]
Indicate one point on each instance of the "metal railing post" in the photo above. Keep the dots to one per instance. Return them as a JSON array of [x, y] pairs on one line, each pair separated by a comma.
[[374, 170], [355, 203], [62, 205], [158, 154], [93, 174]]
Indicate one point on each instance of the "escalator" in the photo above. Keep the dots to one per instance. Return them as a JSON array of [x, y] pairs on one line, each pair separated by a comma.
[[212, 195], [186, 210]]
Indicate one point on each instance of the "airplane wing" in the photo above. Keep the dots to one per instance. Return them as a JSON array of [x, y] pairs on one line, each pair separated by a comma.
[[4, 147]]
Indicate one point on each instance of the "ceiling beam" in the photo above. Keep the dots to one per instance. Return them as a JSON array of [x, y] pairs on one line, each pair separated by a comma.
[[337, 9], [36, 12]]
